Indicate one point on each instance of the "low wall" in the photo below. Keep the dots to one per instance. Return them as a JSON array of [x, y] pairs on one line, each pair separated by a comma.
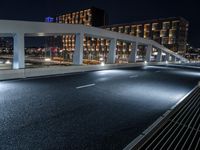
[[35, 72]]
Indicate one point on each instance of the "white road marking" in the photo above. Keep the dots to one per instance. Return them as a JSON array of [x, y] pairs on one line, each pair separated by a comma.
[[84, 86], [133, 76]]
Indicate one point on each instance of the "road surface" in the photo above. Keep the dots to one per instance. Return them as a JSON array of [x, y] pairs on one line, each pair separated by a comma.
[[99, 110]]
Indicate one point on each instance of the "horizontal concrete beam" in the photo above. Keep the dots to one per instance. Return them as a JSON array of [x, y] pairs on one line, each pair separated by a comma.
[[46, 29]]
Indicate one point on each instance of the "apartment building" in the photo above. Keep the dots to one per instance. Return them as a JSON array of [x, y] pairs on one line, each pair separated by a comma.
[[170, 32]]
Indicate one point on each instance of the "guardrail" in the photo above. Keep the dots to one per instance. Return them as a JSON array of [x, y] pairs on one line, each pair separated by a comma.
[[178, 128]]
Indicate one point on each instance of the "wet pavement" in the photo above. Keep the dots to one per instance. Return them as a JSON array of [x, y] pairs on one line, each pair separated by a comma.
[[99, 110]]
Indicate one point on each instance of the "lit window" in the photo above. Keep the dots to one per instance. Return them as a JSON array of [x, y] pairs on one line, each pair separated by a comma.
[[155, 26], [175, 24], [120, 29], [127, 29], [166, 25]]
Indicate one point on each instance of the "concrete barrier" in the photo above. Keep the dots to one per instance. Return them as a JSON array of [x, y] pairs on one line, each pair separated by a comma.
[[52, 70], [11, 74]]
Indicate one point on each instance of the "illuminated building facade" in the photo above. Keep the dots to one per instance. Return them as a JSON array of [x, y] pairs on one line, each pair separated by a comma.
[[170, 32], [89, 17]]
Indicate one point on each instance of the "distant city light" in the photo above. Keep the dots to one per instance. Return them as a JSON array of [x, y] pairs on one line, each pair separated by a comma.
[[7, 62], [47, 59], [101, 59], [49, 19]]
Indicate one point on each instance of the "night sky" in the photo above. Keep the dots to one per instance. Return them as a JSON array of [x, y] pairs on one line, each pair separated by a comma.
[[119, 11]]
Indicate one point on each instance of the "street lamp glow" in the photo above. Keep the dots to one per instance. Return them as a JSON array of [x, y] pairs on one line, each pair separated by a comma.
[[102, 64], [8, 62]]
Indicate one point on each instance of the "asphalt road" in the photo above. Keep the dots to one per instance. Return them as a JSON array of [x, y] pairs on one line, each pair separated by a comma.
[[100, 110]]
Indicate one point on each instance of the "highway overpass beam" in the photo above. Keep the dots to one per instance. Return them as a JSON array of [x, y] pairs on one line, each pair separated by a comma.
[[19, 54], [148, 52], [159, 56], [78, 53], [112, 51], [133, 55]]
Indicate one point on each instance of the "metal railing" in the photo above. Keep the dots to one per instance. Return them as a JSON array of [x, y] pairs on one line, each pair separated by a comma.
[[179, 130]]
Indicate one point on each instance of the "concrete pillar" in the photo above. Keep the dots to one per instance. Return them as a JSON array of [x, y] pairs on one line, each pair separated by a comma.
[[133, 55], [173, 58], [78, 52], [167, 57], [112, 51], [148, 53], [159, 56], [19, 54]]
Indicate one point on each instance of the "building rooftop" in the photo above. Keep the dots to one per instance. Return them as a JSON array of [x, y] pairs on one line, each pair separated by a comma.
[[69, 12], [149, 21]]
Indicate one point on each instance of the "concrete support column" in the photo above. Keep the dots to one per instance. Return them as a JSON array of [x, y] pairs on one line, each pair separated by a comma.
[[112, 51], [173, 58], [19, 54], [159, 56], [78, 52], [133, 55], [167, 57], [148, 53]]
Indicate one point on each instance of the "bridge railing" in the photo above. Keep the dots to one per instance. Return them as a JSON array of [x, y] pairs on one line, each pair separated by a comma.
[[19, 29]]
